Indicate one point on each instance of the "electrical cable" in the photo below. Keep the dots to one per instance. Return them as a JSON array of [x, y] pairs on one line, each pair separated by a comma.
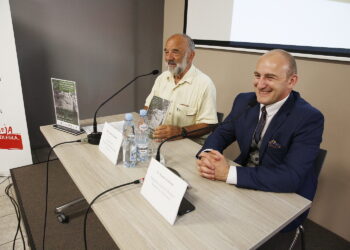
[[47, 184], [18, 216], [16, 210], [7, 177], [99, 195]]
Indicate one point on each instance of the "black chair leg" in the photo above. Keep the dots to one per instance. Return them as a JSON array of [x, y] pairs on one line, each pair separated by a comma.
[[302, 236], [300, 230]]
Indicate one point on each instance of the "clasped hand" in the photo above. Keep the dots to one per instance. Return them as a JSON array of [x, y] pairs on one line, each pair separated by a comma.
[[213, 165]]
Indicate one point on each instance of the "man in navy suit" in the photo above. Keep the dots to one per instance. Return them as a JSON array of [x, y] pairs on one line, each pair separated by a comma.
[[277, 131]]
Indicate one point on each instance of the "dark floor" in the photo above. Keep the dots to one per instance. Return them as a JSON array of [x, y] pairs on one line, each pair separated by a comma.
[[316, 238], [30, 192]]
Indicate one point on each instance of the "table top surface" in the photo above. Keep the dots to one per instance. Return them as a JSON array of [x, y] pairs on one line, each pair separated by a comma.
[[226, 217]]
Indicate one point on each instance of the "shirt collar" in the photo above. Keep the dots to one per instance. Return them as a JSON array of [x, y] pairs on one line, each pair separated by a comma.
[[272, 109], [187, 78]]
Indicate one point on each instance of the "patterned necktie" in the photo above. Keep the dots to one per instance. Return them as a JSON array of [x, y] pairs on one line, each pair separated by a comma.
[[261, 124]]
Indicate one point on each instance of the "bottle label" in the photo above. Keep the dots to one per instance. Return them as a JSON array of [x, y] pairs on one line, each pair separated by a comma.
[[143, 153], [143, 127]]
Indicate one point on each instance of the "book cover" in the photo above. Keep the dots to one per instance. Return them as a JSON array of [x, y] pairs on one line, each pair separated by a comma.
[[157, 111], [66, 103]]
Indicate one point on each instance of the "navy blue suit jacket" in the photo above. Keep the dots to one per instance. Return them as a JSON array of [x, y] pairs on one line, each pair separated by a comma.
[[288, 149]]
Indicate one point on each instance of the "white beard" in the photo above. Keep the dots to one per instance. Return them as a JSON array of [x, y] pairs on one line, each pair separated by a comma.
[[180, 67]]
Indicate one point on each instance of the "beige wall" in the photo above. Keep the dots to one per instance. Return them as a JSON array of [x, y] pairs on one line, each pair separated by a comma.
[[325, 84]]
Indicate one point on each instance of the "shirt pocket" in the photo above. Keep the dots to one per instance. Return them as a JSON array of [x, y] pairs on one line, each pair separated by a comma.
[[185, 115], [186, 110]]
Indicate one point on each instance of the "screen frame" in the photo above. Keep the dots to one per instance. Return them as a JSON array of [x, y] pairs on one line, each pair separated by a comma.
[[307, 51]]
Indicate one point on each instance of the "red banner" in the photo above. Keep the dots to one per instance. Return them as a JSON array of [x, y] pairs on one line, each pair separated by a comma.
[[11, 141]]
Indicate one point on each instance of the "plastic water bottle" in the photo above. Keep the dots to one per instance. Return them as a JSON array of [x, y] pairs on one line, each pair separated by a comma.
[[129, 145], [142, 137]]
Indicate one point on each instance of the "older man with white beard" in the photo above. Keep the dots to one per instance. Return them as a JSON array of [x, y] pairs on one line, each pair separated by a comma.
[[191, 93]]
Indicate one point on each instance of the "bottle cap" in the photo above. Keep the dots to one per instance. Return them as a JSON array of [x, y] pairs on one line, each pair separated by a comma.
[[143, 112], [129, 117]]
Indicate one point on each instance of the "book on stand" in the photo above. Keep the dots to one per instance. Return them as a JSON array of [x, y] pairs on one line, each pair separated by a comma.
[[66, 106]]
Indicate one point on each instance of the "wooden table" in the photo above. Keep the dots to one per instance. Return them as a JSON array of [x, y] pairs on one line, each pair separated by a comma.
[[226, 217]]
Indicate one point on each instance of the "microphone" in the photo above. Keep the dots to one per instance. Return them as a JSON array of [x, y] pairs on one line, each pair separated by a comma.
[[95, 137], [210, 128]]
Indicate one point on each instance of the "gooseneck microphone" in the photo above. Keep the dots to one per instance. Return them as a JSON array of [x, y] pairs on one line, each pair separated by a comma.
[[95, 137], [210, 127]]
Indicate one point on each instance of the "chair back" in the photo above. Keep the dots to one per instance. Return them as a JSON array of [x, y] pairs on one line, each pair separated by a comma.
[[300, 230], [319, 161], [220, 116]]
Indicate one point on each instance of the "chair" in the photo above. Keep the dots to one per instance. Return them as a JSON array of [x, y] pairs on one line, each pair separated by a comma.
[[319, 161], [317, 168], [220, 116]]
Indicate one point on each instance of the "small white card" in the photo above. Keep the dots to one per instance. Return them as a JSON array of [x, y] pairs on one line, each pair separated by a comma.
[[118, 125], [164, 190], [110, 142]]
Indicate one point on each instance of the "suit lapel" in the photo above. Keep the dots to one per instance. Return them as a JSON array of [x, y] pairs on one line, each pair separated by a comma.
[[277, 121]]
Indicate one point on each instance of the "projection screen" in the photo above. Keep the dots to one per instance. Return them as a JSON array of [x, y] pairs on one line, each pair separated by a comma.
[[314, 28]]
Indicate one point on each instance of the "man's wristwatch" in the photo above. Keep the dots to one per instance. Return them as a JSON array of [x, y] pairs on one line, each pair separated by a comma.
[[183, 132]]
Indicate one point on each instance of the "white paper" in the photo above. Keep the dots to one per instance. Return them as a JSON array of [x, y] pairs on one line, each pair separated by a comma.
[[164, 190], [110, 142], [116, 125]]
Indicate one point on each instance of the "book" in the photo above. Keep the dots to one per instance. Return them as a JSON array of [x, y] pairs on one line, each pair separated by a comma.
[[66, 105], [157, 111]]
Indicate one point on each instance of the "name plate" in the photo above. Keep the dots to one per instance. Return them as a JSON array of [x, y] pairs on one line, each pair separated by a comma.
[[164, 190], [110, 142]]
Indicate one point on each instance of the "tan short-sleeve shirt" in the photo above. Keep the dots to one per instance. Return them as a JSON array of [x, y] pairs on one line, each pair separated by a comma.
[[192, 99]]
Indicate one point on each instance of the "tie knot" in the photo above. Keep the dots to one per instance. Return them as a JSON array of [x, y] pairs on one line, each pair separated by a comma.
[[263, 110]]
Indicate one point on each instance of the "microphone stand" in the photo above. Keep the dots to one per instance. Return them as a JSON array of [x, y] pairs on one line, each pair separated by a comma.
[[210, 127], [95, 137]]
